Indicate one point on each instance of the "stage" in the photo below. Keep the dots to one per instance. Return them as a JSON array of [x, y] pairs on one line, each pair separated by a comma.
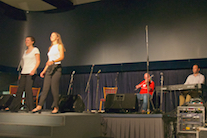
[[81, 125], [46, 125]]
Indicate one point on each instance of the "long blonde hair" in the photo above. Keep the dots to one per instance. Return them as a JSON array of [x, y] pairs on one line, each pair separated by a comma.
[[59, 41]]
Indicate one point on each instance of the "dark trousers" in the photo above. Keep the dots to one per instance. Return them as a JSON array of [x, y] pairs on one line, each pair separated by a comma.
[[51, 80], [25, 84]]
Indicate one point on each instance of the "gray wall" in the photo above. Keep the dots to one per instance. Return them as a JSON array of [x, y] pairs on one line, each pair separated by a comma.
[[12, 36], [110, 32]]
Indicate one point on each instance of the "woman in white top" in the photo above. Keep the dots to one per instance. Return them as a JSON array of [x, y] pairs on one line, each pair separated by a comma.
[[52, 73], [30, 63]]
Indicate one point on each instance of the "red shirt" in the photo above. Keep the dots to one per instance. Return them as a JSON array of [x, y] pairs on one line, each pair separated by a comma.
[[144, 87]]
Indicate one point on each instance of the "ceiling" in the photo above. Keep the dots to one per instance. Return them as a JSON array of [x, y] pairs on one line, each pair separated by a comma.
[[42, 5]]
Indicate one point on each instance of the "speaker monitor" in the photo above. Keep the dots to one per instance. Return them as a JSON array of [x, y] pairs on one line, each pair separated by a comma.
[[71, 103], [121, 103]]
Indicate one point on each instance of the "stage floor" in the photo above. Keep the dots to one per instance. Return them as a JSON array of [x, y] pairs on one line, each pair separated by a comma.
[[47, 125], [80, 125]]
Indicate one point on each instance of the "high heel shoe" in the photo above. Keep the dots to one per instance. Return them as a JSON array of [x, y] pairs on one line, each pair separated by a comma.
[[39, 111], [6, 109], [55, 112]]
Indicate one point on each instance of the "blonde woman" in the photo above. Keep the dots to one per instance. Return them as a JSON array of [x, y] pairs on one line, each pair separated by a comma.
[[52, 73]]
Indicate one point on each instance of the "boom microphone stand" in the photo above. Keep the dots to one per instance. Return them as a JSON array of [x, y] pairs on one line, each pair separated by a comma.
[[147, 47], [117, 74], [88, 87]]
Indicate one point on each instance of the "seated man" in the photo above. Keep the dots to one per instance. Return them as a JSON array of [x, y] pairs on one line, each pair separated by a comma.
[[143, 92], [194, 78]]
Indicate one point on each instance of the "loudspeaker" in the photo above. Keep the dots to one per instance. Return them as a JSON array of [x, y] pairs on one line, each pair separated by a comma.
[[5, 100], [71, 103], [121, 103]]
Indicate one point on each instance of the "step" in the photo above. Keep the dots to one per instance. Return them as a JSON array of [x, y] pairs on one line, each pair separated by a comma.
[[32, 119], [47, 125]]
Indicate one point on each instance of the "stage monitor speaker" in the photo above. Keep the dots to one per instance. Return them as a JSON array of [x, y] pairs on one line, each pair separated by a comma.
[[71, 103], [5, 100], [121, 103]]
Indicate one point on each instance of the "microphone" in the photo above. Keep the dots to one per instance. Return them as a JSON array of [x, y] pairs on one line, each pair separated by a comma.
[[99, 71], [92, 67], [151, 76], [161, 79]]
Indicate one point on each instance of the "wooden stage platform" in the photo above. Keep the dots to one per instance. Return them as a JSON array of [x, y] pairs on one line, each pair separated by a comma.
[[80, 125], [46, 125]]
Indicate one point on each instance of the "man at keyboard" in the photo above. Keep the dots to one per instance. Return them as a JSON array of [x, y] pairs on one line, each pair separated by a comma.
[[194, 78]]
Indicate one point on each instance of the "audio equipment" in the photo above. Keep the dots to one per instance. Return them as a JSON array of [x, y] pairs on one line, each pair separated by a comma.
[[121, 103], [189, 118], [201, 132], [71, 103]]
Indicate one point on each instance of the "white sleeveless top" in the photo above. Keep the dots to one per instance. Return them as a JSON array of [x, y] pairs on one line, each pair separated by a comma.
[[54, 54], [29, 61]]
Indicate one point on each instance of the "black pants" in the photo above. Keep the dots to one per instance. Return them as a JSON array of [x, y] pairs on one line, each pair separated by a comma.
[[51, 80], [25, 84]]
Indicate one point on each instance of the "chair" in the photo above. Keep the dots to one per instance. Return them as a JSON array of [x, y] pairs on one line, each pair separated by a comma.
[[107, 90], [35, 91]]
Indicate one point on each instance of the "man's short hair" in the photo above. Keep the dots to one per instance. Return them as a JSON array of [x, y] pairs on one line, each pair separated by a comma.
[[197, 65]]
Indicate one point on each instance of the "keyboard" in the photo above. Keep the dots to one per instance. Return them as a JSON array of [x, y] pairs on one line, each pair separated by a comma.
[[181, 87]]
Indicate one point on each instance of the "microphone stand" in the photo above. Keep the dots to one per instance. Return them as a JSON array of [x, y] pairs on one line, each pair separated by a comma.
[[117, 74], [147, 47], [97, 88], [71, 83], [88, 87], [161, 90]]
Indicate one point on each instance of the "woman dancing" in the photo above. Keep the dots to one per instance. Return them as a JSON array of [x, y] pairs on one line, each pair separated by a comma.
[[31, 61], [52, 73]]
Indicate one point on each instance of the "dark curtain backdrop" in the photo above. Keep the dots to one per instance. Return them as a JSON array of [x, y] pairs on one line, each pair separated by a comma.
[[126, 82]]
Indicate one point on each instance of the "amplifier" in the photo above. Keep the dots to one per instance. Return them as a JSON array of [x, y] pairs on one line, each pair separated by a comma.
[[121, 103], [189, 118], [201, 132]]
